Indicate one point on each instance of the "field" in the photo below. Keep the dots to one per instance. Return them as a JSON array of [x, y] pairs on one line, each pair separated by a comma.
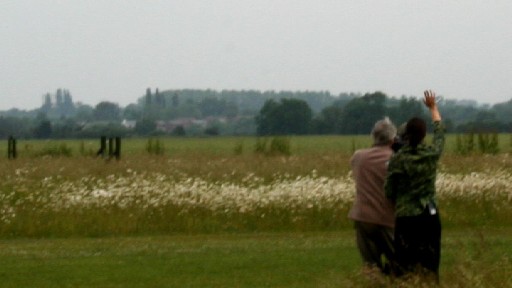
[[210, 212]]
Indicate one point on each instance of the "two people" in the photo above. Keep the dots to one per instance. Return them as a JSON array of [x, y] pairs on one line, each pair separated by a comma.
[[395, 209]]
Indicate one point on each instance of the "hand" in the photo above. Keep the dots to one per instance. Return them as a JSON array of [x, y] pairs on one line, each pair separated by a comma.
[[430, 102], [430, 99]]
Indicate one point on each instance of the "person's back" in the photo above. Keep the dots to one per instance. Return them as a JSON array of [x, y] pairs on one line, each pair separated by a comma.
[[372, 212], [411, 185], [412, 172], [369, 170]]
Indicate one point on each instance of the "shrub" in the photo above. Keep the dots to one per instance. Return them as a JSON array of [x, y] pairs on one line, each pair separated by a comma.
[[276, 146], [261, 146], [465, 144], [488, 143], [155, 147], [55, 151], [280, 146], [239, 148]]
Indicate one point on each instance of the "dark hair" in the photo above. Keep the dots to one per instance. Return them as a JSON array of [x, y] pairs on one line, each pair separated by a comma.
[[415, 131]]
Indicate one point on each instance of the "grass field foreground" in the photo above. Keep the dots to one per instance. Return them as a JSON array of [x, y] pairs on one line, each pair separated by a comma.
[[235, 220], [320, 259]]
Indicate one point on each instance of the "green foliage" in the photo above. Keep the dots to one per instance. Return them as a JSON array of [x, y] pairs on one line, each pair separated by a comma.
[[43, 130], [85, 150], [288, 117], [333, 114], [107, 111], [239, 148], [488, 143], [405, 109], [354, 147], [17, 127], [145, 126], [211, 131], [360, 114], [55, 150], [155, 146], [179, 131], [280, 146], [101, 128], [465, 143], [273, 147], [329, 121], [261, 146]]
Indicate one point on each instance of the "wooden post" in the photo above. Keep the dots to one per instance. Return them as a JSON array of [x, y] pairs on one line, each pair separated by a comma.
[[110, 147], [11, 148], [118, 148], [103, 146]]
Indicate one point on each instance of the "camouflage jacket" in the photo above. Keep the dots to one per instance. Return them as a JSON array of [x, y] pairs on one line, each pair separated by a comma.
[[411, 178]]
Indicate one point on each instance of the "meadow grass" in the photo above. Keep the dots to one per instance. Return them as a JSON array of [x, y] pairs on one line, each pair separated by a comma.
[[226, 146], [201, 193], [312, 259], [218, 190]]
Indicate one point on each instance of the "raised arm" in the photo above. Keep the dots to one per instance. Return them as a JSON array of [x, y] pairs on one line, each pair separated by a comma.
[[430, 102]]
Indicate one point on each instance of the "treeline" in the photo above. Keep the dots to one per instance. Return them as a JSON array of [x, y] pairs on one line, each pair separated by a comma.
[[247, 112], [357, 116]]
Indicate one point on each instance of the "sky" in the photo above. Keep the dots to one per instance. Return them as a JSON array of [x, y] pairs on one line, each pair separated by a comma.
[[112, 50]]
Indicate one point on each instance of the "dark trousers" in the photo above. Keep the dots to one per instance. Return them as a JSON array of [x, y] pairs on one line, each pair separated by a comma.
[[418, 244], [375, 242]]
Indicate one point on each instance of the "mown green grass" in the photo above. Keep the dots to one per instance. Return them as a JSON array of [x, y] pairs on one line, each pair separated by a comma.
[[225, 146], [326, 259]]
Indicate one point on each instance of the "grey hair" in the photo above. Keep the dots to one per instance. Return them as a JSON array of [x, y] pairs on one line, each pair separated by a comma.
[[383, 132]]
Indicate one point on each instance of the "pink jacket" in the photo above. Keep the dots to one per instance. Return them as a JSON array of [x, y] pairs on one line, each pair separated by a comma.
[[369, 169]]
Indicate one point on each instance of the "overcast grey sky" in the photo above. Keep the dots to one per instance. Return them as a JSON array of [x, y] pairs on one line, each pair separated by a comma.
[[114, 49]]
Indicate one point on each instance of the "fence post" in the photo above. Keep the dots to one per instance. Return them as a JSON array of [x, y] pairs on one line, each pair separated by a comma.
[[114, 147], [118, 148], [11, 148], [110, 147], [103, 146]]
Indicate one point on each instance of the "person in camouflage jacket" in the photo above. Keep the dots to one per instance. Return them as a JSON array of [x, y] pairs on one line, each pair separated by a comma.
[[410, 184]]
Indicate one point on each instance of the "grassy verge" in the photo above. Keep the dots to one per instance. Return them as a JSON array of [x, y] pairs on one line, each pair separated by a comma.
[[476, 258]]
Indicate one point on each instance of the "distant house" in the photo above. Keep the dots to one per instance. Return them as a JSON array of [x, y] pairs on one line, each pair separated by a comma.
[[130, 124], [170, 125]]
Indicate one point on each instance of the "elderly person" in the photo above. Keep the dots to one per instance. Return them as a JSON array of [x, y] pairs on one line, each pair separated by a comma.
[[372, 213], [410, 184]]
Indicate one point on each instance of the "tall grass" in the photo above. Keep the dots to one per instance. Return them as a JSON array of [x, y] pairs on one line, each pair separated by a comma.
[[145, 194]]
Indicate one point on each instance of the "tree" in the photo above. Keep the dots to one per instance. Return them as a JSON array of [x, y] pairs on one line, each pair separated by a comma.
[[68, 108], [179, 131], [149, 100], [290, 116], [329, 121], [212, 131], [175, 100], [47, 105], [145, 126], [159, 99], [84, 112], [43, 129], [107, 111], [360, 114], [407, 108], [266, 119], [212, 107], [132, 112], [15, 126], [59, 98]]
